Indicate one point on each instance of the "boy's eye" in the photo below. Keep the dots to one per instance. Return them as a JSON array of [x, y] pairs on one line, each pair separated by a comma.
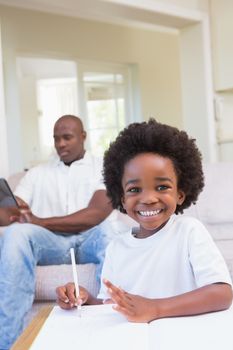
[[162, 187], [133, 190]]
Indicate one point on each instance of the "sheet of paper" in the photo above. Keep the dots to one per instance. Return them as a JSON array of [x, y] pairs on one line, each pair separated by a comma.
[[102, 328], [209, 331], [99, 328]]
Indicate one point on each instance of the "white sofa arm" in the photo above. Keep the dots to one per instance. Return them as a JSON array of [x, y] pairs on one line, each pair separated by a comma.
[[52, 276]]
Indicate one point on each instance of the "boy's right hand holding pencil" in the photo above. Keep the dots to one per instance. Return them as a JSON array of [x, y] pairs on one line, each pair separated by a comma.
[[66, 298]]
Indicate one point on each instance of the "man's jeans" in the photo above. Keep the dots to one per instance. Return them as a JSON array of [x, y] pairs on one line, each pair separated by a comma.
[[22, 247]]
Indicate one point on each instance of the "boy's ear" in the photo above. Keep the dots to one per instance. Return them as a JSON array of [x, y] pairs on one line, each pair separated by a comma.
[[181, 197]]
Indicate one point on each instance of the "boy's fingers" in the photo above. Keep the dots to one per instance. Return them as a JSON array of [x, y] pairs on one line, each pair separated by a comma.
[[118, 295], [63, 305], [112, 287], [82, 298], [119, 300], [66, 298], [117, 292], [70, 292], [125, 311], [79, 301], [61, 293], [107, 283]]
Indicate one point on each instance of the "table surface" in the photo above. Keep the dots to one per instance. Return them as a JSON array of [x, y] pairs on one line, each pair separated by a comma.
[[27, 337]]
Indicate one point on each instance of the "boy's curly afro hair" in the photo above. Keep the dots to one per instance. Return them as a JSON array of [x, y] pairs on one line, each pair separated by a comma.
[[154, 137]]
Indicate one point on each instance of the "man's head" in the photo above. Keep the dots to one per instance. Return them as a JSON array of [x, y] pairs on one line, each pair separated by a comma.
[[69, 138], [160, 139]]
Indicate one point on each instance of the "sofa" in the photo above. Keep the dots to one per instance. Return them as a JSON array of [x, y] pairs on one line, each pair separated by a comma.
[[214, 208]]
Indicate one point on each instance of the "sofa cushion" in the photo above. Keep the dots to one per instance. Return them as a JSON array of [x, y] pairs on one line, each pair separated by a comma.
[[215, 202], [52, 276], [14, 179]]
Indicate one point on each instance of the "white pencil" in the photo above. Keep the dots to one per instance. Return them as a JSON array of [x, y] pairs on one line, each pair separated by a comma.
[[75, 276]]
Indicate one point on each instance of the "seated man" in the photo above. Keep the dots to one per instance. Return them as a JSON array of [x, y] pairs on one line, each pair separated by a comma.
[[68, 207]]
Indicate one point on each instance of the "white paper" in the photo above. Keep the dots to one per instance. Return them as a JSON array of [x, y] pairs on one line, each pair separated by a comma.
[[99, 328], [102, 328], [212, 331]]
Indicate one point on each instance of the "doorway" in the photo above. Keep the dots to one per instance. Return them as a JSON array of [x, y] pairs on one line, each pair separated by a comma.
[[100, 93]]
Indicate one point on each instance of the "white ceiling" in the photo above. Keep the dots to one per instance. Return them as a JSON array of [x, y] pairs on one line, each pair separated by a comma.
[[145, 13]]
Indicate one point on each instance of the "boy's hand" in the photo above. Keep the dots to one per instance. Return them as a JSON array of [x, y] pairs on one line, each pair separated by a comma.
[[135, 308], [66, 296]]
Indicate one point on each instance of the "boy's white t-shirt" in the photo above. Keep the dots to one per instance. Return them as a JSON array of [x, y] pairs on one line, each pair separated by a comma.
[[179, 258]]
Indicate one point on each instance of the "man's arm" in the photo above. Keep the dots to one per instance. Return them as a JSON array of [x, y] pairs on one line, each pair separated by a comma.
[[97, 210]]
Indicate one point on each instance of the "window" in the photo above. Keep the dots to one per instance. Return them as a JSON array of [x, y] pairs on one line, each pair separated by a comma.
[[100, 93], [107, 104], [55, 97], [103, 104]]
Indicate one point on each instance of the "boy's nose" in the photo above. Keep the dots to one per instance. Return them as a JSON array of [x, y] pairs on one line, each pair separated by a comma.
[[149, 197]]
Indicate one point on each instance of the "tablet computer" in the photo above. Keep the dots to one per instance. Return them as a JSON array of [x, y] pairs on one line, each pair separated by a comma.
[[7, 198]]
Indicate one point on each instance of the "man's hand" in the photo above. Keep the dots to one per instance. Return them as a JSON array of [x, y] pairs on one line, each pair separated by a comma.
[[21, 202], [9, 215], [27, 216], [66, 296], [22, 214], [135, 308]]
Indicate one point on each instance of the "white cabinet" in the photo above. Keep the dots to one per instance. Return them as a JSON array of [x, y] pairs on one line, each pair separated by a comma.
[[221, 19], [224, 125], [221, 14]]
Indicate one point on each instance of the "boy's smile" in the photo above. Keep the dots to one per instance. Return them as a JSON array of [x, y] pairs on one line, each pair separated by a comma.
[[150, 193]]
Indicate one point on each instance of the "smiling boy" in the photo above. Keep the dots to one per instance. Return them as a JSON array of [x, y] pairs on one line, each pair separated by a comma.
[[169, 265]]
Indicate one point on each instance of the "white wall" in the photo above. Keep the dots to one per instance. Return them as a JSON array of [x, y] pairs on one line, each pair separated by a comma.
[[37, 34], [29, 121], [192, 19], [197, 88], [4, 166]]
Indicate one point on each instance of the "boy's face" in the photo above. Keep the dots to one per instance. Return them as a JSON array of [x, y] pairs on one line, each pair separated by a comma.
[[150, 191]]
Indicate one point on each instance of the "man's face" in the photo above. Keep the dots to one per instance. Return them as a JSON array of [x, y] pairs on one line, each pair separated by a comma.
[[69, 140]]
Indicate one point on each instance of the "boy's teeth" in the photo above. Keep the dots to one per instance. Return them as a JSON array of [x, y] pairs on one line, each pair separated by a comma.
[[149, 213]]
